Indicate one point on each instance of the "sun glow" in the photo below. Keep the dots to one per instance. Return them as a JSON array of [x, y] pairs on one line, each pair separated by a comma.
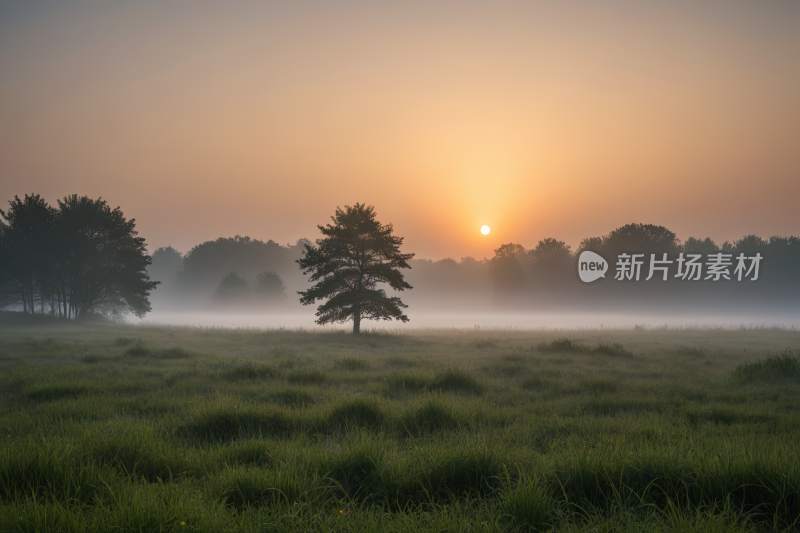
[[485, 230]]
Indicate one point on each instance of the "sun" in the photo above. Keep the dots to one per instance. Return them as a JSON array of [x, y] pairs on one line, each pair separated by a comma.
[[485, 230]]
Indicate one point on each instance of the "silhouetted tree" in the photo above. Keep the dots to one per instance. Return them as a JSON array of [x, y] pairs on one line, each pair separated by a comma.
[[357, 254], [232, 288], [697, 246], [204, 264], [28, 243], [105, 263], [506, 268], [593, 244], [166, 263], [551, 261], [640, 238], [82, 258], [269, 287]]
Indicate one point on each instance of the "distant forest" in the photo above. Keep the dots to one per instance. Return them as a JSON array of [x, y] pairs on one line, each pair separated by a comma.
[[81, 258], [241, 273]]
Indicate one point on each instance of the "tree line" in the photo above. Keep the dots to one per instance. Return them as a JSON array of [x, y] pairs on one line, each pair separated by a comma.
[[81, 258], [73, 260], [233, 273], [538, 277]]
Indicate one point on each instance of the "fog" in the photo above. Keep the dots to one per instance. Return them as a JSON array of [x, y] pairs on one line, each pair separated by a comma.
[[241, 282], [489, 321]]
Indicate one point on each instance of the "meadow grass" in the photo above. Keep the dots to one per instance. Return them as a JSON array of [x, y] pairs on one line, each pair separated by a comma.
[[146, 428]]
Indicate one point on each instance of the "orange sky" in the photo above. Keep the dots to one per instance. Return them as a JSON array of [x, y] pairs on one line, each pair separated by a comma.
[[208, 119]]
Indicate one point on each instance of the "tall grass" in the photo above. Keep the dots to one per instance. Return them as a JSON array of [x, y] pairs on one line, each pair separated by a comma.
[[777, 366], [437, 432]]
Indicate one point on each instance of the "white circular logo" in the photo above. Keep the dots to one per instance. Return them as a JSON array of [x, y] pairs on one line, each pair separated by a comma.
[[591, 266]]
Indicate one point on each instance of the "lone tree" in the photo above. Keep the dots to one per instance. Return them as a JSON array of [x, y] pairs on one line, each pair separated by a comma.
[[357, 253]]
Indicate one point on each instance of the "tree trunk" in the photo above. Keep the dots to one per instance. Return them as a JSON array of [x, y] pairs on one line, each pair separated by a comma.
[[357, 312]]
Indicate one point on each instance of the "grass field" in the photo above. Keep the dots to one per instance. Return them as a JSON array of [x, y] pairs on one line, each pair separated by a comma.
[[143, 428]]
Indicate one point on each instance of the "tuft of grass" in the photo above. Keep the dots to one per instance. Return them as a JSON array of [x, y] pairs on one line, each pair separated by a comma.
[[287, 363], [56, 392], [249, 370], [307, 376], [565, 345], [695, 351], [455, 472], [174, 352], [138, 349], [611, 348], [560, 345], [357, 472], [455, 380], [293, 397], [93, 359], [508, 369], [225, 423], [599, 384], [413, 382], [396, 360], [531, 506], [513, 357], [432, 416], [351, 363], [485, 343], [358, 412], [778, 366], [535, 383], [123, 341], [283, 352], [254, 452], [244, 488]]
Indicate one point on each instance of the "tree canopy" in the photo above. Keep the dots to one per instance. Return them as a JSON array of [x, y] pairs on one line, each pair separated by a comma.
[[357, 254], [80, 259]]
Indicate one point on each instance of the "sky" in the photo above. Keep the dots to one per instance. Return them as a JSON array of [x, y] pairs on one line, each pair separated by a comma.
[[539, 119]]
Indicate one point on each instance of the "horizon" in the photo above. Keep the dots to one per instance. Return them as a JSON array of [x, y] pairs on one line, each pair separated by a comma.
[[537, 120]]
